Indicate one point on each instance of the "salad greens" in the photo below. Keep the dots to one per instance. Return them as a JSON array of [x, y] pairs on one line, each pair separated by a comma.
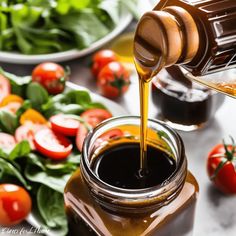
[[47, 26], [44, 178]]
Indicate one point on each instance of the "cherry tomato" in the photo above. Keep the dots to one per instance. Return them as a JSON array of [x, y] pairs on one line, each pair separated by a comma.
[[221, 167], [15, 204], [51, 76], [33, 116], [64, 124], [7, 141], [5, 87], [113, 80], [27, 132], [101, 59], [12, 107], [52, 145], [95, 116], [80, 136]]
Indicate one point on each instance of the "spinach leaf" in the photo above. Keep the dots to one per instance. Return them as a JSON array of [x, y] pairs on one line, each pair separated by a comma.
[[18, 83], [7, 168], [8, 122], [51, 207], [80, 97], [37, 95], [56, 108], [37, 175], [21, 149], [63, 167]]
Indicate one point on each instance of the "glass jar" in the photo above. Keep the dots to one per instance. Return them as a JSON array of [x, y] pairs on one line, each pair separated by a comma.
[[183, 104], [94, 207]]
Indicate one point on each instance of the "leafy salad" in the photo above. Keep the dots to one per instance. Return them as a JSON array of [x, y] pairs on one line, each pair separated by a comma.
[[47, 26], [32, 154]]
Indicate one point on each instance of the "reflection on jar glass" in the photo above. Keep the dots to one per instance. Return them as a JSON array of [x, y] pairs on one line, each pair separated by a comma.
[[106, 196], [182, 104]]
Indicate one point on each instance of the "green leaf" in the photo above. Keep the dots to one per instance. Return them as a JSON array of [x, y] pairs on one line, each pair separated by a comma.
[[80, 97], [21, 149], [96, 105], [8, 122], [51, 207], [18, 83], [6, 168], [85, 26], [37, 95], [56, 182]]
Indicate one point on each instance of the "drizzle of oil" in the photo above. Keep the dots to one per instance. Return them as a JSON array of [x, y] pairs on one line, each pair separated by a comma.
[[148, 62]]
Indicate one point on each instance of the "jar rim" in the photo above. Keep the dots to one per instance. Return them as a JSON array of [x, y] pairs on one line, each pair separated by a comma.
[[172, 185]]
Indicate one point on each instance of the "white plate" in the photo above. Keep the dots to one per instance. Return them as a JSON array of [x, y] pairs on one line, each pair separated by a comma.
[[116, 110], [11, 57]]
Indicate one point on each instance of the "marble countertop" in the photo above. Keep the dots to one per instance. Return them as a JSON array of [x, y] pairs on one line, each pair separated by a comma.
[[216, 213]]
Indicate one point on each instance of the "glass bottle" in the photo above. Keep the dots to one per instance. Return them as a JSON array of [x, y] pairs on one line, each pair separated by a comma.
[[94, 207], [199, 35]]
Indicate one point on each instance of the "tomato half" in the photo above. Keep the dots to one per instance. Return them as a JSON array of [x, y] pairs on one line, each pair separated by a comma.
[[27, 132], [80, 136], [101, 59], [221, 168], [51, 76], [7, 141], [52, 145], [64, 124], [5, 87], [15, 204], [113, 80], [95, 116]]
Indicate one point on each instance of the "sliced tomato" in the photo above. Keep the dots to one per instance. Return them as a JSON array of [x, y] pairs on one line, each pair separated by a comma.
[[5, 87], [11, 107], [52, 145], [15, 204], [27, 132], [64, 124], [33, 116], [7, 141], [95, 116], [81, 135]]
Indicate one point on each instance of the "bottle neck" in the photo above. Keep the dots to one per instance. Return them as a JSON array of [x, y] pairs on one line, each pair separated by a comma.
[[171, 31]]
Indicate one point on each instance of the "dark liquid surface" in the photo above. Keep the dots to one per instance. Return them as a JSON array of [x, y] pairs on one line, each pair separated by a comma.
[[119, 166]]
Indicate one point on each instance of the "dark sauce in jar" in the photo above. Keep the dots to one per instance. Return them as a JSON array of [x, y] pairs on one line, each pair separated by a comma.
[[184, 105], [119, 166]]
